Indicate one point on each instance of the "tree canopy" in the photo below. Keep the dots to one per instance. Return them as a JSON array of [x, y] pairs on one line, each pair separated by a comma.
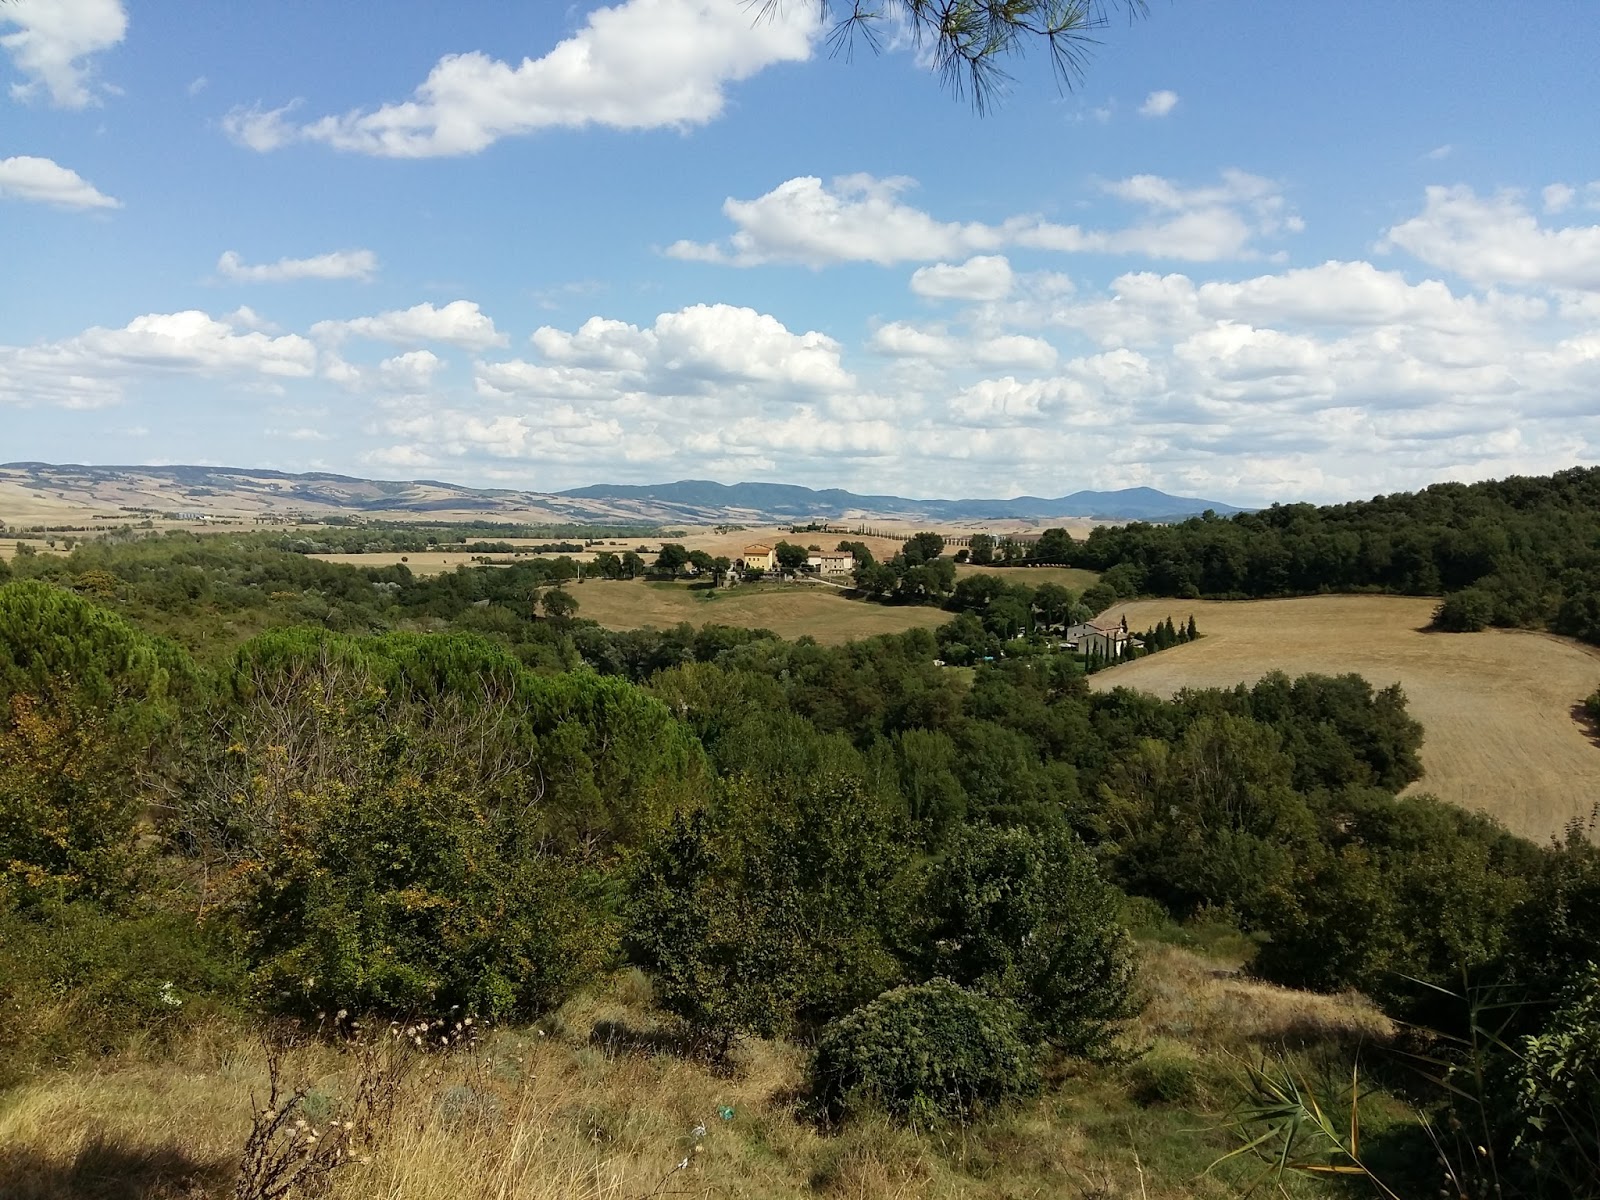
[[969, 41]]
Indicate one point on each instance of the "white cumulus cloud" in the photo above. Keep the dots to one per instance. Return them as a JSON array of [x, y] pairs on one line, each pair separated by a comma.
[[641, 64], [25, 177], [899, 339], [94, 367], [707, 384], [1496, 239], [459, 323], [53, 42], [693, 350], [341, 264], [860, 218], [981, 277], [1159, 104]]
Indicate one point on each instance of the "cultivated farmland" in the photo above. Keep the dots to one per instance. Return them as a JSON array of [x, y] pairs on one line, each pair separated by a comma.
[[791, 610], [1504, 732]]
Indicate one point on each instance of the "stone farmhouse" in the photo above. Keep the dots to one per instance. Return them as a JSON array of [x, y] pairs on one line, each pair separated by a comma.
[[759, 554], [1101, 635], [831, 562]]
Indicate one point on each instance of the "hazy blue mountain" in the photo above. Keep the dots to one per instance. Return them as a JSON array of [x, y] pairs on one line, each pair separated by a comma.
[[791, 501], [690, 501]]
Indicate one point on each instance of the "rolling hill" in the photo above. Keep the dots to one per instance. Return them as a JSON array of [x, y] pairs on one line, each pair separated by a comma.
[[49, 490]]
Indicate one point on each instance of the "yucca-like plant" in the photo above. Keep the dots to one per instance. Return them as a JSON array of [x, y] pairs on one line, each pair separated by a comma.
[[1282, 1123], [1520, 1112]]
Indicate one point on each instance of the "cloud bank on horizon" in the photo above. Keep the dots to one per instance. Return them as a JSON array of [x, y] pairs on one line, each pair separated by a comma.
[[661, 239]]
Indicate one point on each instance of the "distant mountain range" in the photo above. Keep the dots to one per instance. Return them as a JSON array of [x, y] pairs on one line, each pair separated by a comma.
[[790, 501], [43, 489]]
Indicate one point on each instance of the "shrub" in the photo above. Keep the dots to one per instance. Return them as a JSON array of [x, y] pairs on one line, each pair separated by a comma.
[[1556, 1085], [1402, 889], [1167, 1073], [415, 821], [924, 1053], [397, 885], [86, 715], [76, 980], [1466, 611], [1023, 914], [769, 911]]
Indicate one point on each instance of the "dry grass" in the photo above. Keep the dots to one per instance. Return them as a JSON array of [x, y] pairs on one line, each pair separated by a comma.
[[596, 1104], [1504, 731], [421, 562], [791, 610], [1075, 578], [1212, 1007], [8, 546]]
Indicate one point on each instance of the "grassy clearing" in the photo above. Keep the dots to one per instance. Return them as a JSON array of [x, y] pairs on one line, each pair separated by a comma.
[[595, 1104], [1501, 709], [1075, 578], [789, 610]]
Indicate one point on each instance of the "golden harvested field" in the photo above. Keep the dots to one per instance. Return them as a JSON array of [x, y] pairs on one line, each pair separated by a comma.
[[423, 562], [1504, 732], [8, 546], [790, 611]]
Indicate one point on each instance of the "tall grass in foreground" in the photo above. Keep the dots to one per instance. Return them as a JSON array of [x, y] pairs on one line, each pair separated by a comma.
[[600, 1104]]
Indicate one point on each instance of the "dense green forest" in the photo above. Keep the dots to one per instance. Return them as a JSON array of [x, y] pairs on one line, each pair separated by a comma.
[[240, 783], [1518, 552], [1522, 551]]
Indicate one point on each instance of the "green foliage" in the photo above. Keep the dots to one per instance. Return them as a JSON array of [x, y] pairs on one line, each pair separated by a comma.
[[590, 760], [1556, 1093], [1053, 546], [558, 604], [790, 556], [389, 883], [1403, 888], [1339, 730], [419, 820], [671, 559], [922, 548], [927, 1053], [86, 706], [770, 910], [1024, 915], [1558, 927], [1466, 611], [1167, 1073], [67, 812], [1099, 596], [50, 637], [77, 979], [1211, 820], [926, 766], [1515, 551]]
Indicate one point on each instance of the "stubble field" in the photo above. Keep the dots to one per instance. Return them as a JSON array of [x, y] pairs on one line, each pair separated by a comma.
[[791, 610], [1504, 730]]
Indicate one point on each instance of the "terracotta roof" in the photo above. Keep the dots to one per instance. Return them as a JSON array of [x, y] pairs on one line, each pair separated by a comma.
[[758, 548]]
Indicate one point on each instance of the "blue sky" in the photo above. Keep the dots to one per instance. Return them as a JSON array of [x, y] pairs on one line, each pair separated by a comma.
[[1261, 251]]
